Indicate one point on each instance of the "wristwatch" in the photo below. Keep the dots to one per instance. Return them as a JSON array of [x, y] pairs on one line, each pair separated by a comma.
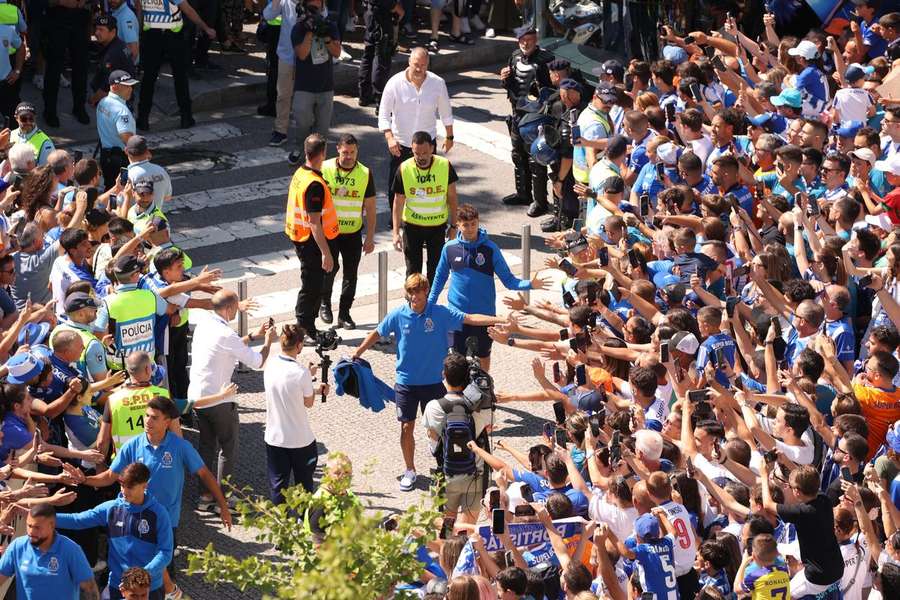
[[249, 337], [448, 137], [511, 342]]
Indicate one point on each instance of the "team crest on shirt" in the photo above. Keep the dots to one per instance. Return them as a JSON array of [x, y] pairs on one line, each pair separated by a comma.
[[429, 325], [143, 527], [479, 259], [53, 564], [167, 459]]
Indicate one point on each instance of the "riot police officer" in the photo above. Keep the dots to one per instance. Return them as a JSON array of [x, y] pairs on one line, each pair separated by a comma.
[[565, 105], [375, 65], [522, 77], [68, 27]]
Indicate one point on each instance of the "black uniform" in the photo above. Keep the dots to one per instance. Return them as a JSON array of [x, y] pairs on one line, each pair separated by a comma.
[[528, 75], [375, 65], [115, 57], [568, 204], [66, 29]]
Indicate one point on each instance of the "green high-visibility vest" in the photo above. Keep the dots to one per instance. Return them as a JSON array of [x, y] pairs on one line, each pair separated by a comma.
[[134, 313], [126, 409], [86, 337], [276, 22], [425, 191], [348, 190], [36, 141], [580, 169], [9, 15]]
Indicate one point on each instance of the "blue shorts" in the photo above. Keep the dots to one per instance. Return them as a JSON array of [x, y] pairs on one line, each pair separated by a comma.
[[411, 397], [479, 332]]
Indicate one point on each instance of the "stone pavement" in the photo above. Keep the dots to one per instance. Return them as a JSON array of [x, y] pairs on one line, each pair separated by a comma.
[[371, 440], [242, 80]]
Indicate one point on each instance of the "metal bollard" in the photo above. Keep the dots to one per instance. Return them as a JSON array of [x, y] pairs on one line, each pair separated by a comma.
[[526, 256], [383, 290], [242, 319]]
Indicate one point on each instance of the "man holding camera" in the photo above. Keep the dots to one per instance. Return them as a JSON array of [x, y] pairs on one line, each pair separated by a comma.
[[451, 422], [421, 330]]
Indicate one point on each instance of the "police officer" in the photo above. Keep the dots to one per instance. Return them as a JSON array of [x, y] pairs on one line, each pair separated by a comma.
[[123, 415], [81, 310], [424, 205], [67, 25], [114, 56], [130, 314], [12, 26], [523, 77], [115, 125], [311, 223], [28, 132], [353, 191], [163, 39], [568, 103], [375, 65]]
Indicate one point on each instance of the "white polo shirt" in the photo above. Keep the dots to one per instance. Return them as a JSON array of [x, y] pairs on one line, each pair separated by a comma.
[[287, 382], [215, 349]]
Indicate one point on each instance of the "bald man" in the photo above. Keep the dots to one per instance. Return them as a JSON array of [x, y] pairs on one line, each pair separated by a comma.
[[214, 350]]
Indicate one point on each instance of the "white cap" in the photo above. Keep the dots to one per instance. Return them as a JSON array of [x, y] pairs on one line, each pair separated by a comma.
[[864, 154], [890, 165], [668, 153], [806, 49], [881, 221]]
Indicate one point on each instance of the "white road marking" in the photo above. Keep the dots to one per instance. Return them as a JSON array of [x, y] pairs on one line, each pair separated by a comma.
[[480, 138]]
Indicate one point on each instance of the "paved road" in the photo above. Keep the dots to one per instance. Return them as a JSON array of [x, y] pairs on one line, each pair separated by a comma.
[[228, 210]]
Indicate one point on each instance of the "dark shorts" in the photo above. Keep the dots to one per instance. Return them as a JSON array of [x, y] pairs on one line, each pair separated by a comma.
[[411, 397], [458, 340]]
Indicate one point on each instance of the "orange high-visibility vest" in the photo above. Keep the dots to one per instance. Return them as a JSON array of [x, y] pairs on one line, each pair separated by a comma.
[[296, 223]]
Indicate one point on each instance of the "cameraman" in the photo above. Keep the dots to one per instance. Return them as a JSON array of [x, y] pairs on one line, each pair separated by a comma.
[[316, 41], [463, 490]]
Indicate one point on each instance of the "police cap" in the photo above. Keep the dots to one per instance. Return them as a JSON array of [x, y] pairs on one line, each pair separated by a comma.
[[570, 84], [107, 21], [559, 64]]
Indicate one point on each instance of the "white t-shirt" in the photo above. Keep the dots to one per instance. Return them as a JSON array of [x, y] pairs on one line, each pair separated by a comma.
[[286, 383], [802, 455], [620, 520], [853, 104], [702, 147], [711, 470], [856, 556], [60, 280], [685, 538]]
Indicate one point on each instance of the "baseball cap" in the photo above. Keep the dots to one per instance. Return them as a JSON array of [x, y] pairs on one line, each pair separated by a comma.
[[614, 68], [893, 437], [126, 265], [675, 54], [668, 153], [684, 341], [881, 221], [136, 144], [864, 154], [606, 91], [79, 300], [25, 107], [107, 21], [524, 30], [120, 77], [144, 185], [675, 292], [788, 97], [854, 73], [806, 49], [889, 165], [570, 84], [848, 129], [647, 527], [577, 245], [558, 64], [617, 146], [23, 367], [760, 120], [34, 333]]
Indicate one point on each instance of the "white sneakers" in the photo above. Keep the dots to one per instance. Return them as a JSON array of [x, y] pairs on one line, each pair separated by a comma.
[[407, 480]]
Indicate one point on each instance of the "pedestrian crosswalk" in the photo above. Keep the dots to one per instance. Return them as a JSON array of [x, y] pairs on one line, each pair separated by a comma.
[[229, 195]]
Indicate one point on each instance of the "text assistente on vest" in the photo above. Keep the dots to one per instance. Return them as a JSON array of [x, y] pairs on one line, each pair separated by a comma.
[[424, 203], [311, 222]]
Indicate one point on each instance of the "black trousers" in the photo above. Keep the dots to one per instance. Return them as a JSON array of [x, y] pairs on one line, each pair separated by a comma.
[[282, 462], [198, 42], [688, 584], [111, 161], [66, 32], [312, 280], [177, 361], [530, 176], [158, 45], [9, 99], [271, 38], [375, 65], [419, 237], [405, 152], [349, 246]]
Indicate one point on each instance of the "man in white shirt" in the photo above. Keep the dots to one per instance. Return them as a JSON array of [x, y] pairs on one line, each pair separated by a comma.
[[214, 350], [409, 103]]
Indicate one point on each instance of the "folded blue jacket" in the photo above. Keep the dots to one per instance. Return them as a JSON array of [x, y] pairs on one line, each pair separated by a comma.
[[355, 378]]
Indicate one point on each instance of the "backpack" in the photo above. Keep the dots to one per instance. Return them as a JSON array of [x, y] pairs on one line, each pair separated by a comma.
[[459, 429]]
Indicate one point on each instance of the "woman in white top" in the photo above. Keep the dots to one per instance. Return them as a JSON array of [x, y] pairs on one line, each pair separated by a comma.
[[290, 442]]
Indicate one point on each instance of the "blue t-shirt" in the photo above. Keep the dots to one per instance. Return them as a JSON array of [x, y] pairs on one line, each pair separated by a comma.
[[113, 119], [542, 491], [719, 581], [844, 338], [422, 341], [656, 567], [15, 436], [56, 574], [126, 24], [812, 87], [795, 345], [166, 462], [707, 354], [10, 39]]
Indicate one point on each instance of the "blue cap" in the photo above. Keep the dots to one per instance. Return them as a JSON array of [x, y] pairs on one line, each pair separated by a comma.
[[23, 367], [42, 351], [647, 527], [589, 401], [675, 54], [788, 97], [760, 120], [570, 84], [848, 129], [157, 374], [35, 332]]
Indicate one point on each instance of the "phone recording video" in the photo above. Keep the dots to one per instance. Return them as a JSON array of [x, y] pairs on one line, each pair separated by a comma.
[[498, 520]]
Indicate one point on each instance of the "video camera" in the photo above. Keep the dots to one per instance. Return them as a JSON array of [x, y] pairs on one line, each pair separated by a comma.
[[326, 340], [313, 20], [479, 394]]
